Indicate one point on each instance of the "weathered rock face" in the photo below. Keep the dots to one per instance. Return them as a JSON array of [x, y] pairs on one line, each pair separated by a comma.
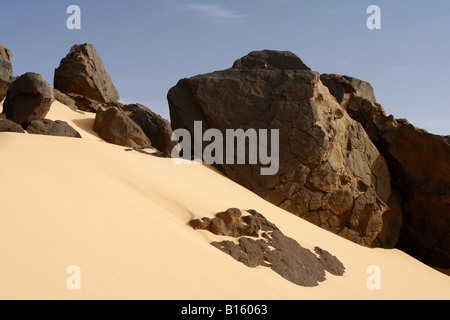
[[156, 128], [29, 98], [52, 128], [10, 126], [261, 243], [419, 163], [6, 71], [343, 86], [82, 72], [330, 172], [64, 99], [115, 127]]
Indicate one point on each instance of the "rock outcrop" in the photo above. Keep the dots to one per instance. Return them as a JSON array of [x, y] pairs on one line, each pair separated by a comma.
[[261, 243], [82, 72], [115, 127], [29, 98], [330, 172], [156, 128], [65, 99], [52, 128], [6, 72], [271, 60], [419, 163], [88, 105]]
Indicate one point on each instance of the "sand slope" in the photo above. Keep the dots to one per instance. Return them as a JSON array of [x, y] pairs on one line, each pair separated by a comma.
[[121, 216]]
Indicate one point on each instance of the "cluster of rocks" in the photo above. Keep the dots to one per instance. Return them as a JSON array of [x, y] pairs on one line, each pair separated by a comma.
[[81, 83], [28, 100], [344, 164], [261, 243]]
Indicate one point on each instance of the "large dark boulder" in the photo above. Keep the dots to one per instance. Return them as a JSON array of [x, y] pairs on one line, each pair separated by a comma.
[[52, 128], [82, 72], [29, 98], [330, 173], [419, 164], [156, 128], [6, 72], [115, 127]]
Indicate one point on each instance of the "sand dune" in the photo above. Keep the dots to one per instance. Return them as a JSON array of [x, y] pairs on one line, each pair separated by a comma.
[[121, 216]]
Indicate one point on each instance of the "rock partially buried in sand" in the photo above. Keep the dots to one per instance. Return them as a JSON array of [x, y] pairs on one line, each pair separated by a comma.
[[261, 243], [82, 72], [56, 128], [29, 98], [115, 127], [10, 126], [65, 99], [156, 128]]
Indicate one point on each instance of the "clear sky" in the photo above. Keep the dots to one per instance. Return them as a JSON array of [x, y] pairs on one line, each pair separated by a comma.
[[147, 46]]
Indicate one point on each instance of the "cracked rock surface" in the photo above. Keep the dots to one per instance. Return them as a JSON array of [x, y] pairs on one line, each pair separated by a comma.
[[330, 173]]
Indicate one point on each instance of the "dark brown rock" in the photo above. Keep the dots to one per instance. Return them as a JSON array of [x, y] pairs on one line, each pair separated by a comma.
[[10, 126], [116, 127], [6, 72], [82, 72], [392, 223], [328, 164], [363, 88], [52, 128], [29, 98], [65, 99], [156, 128], [342, 86], [269, 247], [419, 164], [89, 105], [271, 60], [337, 85]]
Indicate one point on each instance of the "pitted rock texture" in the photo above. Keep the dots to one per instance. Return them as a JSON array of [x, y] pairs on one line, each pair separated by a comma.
[[330, 172], [419, 163], [261, 243]]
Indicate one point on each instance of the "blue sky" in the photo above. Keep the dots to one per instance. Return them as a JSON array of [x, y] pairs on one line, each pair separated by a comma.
[[147, 46]]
